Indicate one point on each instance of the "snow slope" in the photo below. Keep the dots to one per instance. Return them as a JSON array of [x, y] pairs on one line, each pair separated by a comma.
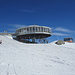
[[18, 58]]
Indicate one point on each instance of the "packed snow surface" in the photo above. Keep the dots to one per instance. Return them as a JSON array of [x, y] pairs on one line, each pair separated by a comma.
[[17, 58]]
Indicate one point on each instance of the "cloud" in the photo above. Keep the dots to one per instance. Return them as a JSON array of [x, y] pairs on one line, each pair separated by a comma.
[[12, 30], [60, 31], [63, 30], [60, 34], [17, 25], [28, 11]]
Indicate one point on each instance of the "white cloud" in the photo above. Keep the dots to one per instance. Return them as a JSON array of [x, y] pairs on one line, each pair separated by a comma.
[[63, 30], [60, 31], [60, 34], [17, 25], [12, 30], [28, 11]]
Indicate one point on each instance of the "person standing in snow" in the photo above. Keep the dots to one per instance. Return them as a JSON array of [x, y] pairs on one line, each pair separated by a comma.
[[0, 41]]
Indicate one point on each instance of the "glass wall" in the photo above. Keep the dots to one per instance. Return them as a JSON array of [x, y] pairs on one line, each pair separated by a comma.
[[36, 29], [27, 29], [41, 29], [30, 29], [33, 29]]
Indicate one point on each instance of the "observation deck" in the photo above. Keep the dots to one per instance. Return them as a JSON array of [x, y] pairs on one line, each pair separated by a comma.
[[33, 32]]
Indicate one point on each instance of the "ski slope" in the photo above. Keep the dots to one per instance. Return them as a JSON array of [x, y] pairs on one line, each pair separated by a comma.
[[17, 58]]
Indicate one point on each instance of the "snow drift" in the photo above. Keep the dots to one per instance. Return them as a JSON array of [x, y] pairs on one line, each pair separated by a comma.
[[18, 58]]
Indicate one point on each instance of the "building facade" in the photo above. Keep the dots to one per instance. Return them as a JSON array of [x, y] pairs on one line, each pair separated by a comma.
[[33, 32]]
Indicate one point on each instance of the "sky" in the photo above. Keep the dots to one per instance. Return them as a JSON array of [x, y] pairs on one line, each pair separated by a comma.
[[57, 14]]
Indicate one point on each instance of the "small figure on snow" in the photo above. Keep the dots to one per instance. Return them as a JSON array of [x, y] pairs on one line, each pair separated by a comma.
[[0, 41]]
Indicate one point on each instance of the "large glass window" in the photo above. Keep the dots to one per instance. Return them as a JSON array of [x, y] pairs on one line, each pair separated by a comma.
[[20, 30], [24, 30], [41, 29], [49, 30], [44, 29], [30, 29], [33, 29], [36, 29], [27, 29]]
